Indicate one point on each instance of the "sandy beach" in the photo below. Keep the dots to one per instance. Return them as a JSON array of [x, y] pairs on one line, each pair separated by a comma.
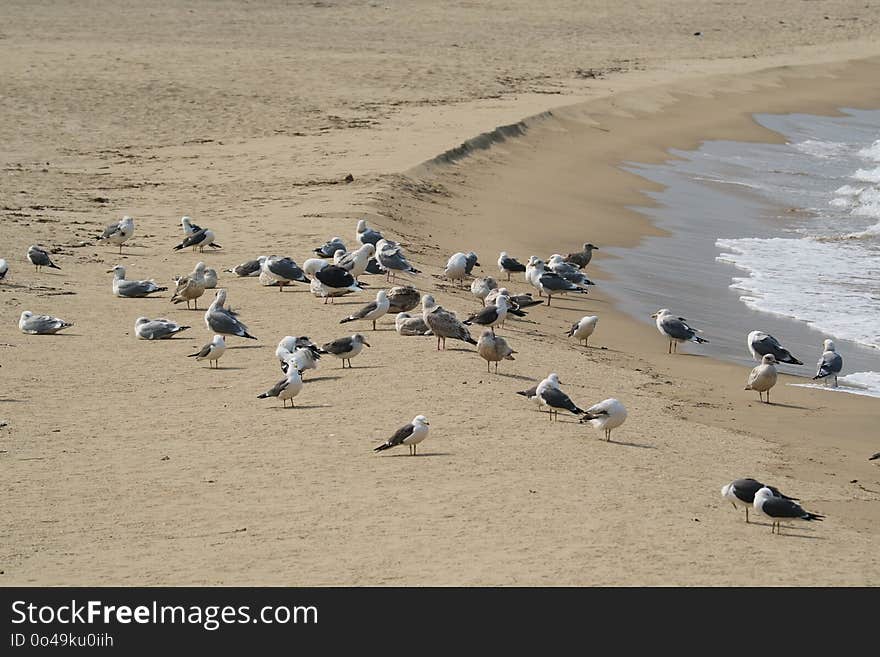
[[124, 462]]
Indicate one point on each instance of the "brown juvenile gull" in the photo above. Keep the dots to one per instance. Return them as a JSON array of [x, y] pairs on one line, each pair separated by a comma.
[[444, 324], [406, 324], [403, 298], [191, 287], [493, 349], [481, 287], [763, 377], [582, 258]]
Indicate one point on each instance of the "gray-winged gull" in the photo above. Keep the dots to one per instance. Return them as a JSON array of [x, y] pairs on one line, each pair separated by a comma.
[[548, 282], [281, 271], [490, 315], [4, 267], [346, 348], [332, 281], [778, 509], [567, 271], [760, 344], [223, 320], [763, 377], [366, 235], [356, 261], [371, 311], [41, 324], [157, 329], [509, 265], [830, 363], [331, 246], [583, 328], [249, 268], [549, 394], [676, 329], [132, 289], [118, 233], [211, 351], [741, 493], [493, 349], [287, 388], [443, 323], [39, 258], [391, 258], [608, 414], [456, 268], [410, 435], [198, 240]]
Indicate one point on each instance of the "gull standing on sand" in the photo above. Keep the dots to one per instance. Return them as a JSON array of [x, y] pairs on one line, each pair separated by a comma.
[[281, 271], [287, 388], [311, 265], [532, 393], [443, 323], [301, 351], [550, 395], [403, 299], [198, 240], [249, 268], [355, 262], [39, 258], [190, 287], [582, 258], [331, 246], [829, 364], [41, 324], [157, 329], [332, 281], [778, 509], [406, 324], [392, 260], [606, 415], [346, 348], [366, 235], [548, 282], [481, 287], [583, 328], [741, 493], [210, 279], [514, 301], [372, 311], [763, 377], [211, 351], [567, 271], [760, 344], [676, 329], [118, 233], [4, 267], [132, 289], [493, 349], [509, 265], [223, 320], [490, 316], [188, 226], [410, 435], [456, 267]]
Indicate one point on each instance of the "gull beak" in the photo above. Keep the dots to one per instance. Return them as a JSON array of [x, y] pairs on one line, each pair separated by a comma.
[[654, 315], [109, 271], [427, 424], [366, 344]]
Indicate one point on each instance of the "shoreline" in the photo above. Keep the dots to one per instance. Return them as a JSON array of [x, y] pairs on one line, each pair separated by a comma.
[[130, 464]]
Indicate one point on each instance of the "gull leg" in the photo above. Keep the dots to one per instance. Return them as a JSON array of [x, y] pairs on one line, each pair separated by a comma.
[[548, 299], [374, 324], [768, 396], [747, 512], [487, 367]]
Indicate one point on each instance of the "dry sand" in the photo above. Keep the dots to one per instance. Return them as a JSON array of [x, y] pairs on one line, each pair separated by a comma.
[[126, 463]]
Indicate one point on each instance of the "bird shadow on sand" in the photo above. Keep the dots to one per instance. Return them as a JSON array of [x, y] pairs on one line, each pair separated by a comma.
[[625, 444], [519, 377], [790, 534], [322, 378], [794, 406], [12, 401], [224, 367], [248, 346], [404, 454], [364, 367], [300, 407]]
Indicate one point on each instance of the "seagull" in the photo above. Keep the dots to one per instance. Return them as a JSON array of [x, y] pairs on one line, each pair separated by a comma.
[[366, 235], [582, 258], [211, 351], [829, 364], [567, 271], [583, 328], [287, 388], [493, 349], [334, 281], [41, 324], [403, 299], [118, 233], [778, 509], [131, 289], [249, 268], [157, 329], [509, 265], [392, 260], [443, 324], [346, 348], [874, 457], [548, 282], [372, 311], [198, 240], [210, 279], [4, 267], [331, 246], [481, 287], [490, 315], [676, 329], [406, 324], [191, 287], [760, 344], [189, 229], [281, 271], [311, 265], [224, 321], [551, 396], [455, 268], [302, 351], [741, 493], [514, 301], [410, 435], [39, 257], [606, 415], [355, 262], [471, 258], [763, 377], [532, 393]]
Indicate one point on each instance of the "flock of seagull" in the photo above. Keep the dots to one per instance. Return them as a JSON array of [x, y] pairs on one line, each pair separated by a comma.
[[335, 271]]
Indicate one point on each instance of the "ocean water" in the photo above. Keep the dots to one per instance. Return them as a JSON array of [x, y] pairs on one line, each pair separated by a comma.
[[784, 238]]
